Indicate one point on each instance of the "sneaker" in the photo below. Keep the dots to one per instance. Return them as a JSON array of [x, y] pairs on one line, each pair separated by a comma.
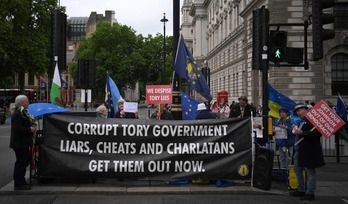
[[308, 197], [22, 187], [297, 193]]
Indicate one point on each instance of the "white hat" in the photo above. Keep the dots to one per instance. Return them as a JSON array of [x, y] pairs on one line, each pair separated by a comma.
[[201, 106]]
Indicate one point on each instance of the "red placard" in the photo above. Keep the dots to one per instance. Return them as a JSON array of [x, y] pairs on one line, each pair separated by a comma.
[[324, 119], [159, 94]]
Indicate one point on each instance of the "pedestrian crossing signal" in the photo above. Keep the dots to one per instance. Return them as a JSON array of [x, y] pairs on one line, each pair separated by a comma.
[[278, 42]]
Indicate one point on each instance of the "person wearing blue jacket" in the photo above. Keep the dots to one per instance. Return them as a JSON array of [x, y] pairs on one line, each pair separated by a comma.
[[284, 138]]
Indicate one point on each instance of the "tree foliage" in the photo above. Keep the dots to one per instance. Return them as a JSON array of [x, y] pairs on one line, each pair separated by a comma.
[[24, 38], [128, 58]]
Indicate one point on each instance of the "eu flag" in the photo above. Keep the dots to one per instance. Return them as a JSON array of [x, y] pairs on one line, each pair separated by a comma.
[[277, 100], [112, 95], [342, 112], [186, 67], [189, 107]]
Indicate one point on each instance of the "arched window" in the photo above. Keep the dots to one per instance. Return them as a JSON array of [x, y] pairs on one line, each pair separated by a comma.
[[339, 66]]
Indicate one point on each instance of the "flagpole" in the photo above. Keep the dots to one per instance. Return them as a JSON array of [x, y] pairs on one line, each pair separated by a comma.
[[176, 105]]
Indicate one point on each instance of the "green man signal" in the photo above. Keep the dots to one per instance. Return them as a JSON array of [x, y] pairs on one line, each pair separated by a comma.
[[277, 41], [277, 54]]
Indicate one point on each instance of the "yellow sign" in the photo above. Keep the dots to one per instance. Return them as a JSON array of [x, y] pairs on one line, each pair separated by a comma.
[[243, 170]]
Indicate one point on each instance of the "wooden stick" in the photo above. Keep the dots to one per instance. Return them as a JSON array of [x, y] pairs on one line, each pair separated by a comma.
[[300, 140]]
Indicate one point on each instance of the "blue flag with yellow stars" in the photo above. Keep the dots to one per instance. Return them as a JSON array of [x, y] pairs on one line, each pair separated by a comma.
[[112, 95], [186, 67], [342, 112], [189, 107]]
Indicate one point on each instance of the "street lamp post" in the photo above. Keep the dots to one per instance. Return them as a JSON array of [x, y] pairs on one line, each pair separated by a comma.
[[164, 20]]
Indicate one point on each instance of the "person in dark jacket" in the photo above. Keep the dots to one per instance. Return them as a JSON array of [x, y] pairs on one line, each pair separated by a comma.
[[310, 154], [121, 114], [242, 109], [162, 113], [204, 113], [23, 128]]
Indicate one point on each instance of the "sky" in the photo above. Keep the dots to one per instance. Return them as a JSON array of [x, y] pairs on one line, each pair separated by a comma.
[[144, 16]]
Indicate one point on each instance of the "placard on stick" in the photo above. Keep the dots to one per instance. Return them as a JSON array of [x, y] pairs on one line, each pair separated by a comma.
[[324, 119], [159, 94]]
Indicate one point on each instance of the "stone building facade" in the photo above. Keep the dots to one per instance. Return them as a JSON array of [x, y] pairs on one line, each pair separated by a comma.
[[219, 34]]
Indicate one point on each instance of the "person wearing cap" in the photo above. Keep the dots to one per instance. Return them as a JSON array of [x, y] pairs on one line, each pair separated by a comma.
[[284, 138], [121, 114], [242, 109], [204, 113], [309, 155]]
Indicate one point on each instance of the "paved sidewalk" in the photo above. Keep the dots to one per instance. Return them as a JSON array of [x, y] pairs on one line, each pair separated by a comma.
[[332, 181]]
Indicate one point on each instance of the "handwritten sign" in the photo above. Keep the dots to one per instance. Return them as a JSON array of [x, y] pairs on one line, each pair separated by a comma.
[[257, 133], [324, 119], [159, 94], [130, 107]]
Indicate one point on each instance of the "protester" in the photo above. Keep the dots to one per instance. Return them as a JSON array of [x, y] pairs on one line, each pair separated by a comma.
[[225, 110], [284, 138], [214, 107], [102, 112], [242, 109], [309, 155], [258, 111], [121, 114], [204, 113], [163, 113], [154, 115], [23, 128]]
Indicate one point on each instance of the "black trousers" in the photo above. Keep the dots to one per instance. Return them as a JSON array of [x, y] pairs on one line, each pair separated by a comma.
[[22, 161]]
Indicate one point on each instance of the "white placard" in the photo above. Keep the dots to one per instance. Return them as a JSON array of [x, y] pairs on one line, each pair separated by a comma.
[[130, 107], [256, 131], [280, 133]]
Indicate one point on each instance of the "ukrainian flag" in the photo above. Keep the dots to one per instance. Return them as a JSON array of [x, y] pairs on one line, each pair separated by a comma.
[[277, 100]]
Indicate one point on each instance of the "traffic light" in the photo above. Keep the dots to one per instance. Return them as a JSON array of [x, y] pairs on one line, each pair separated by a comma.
[[260, 37], [318, 20], [278, 41], [58, 42], [86, 73], [257, 39]]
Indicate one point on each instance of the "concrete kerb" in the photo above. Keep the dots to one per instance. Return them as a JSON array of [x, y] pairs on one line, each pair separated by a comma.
[[102, 189]]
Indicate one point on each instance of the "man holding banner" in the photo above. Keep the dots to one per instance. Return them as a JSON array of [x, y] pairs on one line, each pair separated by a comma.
[[309, 155]]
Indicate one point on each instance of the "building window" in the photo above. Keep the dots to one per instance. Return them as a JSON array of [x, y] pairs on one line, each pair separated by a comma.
[[339, 66], [341, 16], [71, 47]]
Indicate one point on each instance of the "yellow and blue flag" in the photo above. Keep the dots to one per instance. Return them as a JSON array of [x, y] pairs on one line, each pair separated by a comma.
[[186, 67], [342, 112], [277, 100], [112, 95], [189, 107]]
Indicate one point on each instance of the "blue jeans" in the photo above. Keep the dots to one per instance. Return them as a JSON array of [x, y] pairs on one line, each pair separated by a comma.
[[311, 175], [285, 154]]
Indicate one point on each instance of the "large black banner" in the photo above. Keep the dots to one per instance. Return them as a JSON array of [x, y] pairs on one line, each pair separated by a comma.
[[86, 147]]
